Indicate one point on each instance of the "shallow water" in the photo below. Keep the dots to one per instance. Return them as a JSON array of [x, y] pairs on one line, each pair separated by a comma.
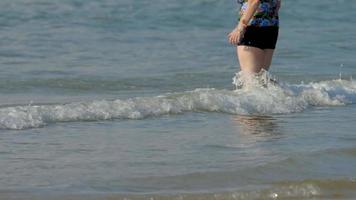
[[133, 99]]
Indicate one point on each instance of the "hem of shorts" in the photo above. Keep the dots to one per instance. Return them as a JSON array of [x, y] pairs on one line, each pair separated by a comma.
[[256, 46]]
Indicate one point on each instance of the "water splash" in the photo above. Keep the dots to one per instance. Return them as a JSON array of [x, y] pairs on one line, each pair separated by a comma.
[[246, 80]]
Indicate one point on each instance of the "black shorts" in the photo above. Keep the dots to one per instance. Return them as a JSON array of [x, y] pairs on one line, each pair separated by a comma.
[[260, 37]]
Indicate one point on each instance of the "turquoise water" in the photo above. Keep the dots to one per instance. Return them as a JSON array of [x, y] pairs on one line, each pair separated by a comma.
[[133, 99]]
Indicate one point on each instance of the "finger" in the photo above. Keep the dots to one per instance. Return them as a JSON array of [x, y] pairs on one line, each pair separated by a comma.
[[236, 39], [232, 40], [241, 36]]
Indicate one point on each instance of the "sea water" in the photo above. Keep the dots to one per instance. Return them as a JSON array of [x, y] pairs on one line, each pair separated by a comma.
[[133, 100]]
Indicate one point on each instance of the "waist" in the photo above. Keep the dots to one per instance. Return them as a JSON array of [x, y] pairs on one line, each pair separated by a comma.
[[262, 28], [264, 22]]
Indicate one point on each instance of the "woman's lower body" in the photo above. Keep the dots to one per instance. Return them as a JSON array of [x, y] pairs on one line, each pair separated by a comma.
[[256, 48]]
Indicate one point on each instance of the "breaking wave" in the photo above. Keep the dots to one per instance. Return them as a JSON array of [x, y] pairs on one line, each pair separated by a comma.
[[274, 99]]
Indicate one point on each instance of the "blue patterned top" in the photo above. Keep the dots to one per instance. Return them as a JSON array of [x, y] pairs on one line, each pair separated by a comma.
[[266, 14]]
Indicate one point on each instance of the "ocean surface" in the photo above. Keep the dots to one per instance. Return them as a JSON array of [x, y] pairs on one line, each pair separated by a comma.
[[124, 99]]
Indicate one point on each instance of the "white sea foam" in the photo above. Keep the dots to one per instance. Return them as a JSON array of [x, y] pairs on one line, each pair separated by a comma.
[[274, 99]]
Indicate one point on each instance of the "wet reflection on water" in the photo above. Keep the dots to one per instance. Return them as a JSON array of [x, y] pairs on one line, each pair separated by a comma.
[[257, 125]]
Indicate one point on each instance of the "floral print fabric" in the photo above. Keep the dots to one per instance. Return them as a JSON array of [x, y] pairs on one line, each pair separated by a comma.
[[266, 14]]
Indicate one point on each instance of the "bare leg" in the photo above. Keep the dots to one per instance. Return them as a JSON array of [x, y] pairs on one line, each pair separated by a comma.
[[251, 59], [268, 58]]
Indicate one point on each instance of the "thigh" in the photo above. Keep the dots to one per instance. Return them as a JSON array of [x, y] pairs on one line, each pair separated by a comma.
[[251, 59], [268, 58]]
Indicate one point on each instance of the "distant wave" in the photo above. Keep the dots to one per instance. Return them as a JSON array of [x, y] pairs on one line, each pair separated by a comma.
[[272, 100]]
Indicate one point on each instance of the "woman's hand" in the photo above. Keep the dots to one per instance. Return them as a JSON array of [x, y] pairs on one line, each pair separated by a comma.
[[237, 34]]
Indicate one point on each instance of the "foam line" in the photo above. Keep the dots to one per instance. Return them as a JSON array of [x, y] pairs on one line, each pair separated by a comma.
[[257, 100]]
